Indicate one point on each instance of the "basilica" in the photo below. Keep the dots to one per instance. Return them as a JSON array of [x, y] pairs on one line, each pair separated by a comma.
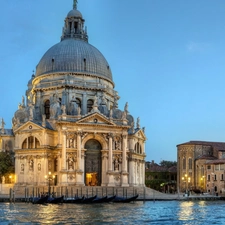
[[68, 123]]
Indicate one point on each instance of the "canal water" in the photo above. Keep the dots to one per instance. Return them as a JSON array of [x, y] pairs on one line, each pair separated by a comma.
[[159, 212]]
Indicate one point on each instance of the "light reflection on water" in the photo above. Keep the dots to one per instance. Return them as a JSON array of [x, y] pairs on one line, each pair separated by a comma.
[[161, 212]]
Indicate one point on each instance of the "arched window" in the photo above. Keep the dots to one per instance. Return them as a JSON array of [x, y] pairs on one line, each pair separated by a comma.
[[184, 163], [190, 163], [89, 105], [47, 109], [30, 142], [137, 148], [78, 101], [85, 65]]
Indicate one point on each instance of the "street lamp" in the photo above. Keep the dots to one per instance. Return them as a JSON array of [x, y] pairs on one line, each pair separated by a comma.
[[203, 182], [187, 180], [49, 177], [10, 178]]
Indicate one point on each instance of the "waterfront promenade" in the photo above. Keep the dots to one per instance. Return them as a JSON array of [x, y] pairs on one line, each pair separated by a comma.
[[22, 194]]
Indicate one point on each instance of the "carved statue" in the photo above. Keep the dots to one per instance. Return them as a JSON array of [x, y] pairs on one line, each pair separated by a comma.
[[63, 107], [110, 113], [95, 101], [43, 119], [22, 167], [39, 166], [23, 102], [31, 111], [132, 127], [30, 98], [54, 106], [103, 102], [138, 122], [126, 108], [75, 4], [31, 164], [70, 163], [2, 124], [73, 106], [3, 179], [124, 115]]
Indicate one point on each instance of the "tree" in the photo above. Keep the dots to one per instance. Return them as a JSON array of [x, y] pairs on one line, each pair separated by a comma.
[[168, 164], [6, 163]]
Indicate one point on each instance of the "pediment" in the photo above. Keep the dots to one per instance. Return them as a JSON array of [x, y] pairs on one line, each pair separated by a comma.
[[96, 119], [140, 134], [28, 127]]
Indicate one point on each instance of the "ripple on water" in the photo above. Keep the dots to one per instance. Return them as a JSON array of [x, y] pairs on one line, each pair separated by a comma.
[[170, 212]]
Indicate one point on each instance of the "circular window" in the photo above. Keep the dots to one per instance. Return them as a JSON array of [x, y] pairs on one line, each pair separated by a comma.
[[30, 127], [95, 120]]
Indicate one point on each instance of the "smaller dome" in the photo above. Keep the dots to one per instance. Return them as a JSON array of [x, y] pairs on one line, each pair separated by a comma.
[[74, 13]]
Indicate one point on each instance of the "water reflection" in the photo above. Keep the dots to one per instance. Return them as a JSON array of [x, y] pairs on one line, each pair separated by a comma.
[[174, 212]]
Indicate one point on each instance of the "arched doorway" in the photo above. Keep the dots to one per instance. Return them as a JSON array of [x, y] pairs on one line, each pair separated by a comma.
[[93, 163]]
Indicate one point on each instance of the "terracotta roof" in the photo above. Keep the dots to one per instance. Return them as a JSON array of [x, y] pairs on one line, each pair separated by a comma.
[[208, 157], [217, 145], [217, 161]]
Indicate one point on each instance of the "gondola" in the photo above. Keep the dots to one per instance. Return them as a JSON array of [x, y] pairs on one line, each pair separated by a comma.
[[110, 199], [99, 200], [56, 200], [41, 200], [88, 200], [125, 200]]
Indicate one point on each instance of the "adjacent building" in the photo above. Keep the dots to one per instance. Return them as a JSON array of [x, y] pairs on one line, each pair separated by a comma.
[[201, 167]]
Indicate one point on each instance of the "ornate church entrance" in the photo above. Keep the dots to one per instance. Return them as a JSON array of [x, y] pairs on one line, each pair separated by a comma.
[[93, 163]]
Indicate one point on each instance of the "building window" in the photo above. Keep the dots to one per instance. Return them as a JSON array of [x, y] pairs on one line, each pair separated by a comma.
[[217, 167], [137, 148], [208, 167], [30, 142], [202, 171], [215, 177], [221, 176], [221, 166], [208, 178], [47, 109], [190, 164], [184, 164], [89, 105], [85, 65]]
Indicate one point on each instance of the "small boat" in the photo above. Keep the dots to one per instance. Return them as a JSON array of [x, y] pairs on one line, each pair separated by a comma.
[[56, 200], [88, 200], [41, 200], [100, 200], [110, 199], [125, 200], [73, 200]]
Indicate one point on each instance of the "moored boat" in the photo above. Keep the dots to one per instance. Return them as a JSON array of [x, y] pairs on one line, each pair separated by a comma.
[[41, 200], [56, 200], [125, 200]]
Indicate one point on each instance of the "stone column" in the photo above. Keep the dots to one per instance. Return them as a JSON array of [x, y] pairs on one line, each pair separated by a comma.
[[79, 174], [84, 104], [110, 152], [63, 162], [64, 151], [110, 156], [124, 181], [131, 172]]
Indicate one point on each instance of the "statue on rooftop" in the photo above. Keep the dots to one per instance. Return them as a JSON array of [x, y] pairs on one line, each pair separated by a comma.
[[75, 4]]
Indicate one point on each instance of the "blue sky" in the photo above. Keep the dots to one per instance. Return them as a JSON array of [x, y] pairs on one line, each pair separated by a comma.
[[167, 59]]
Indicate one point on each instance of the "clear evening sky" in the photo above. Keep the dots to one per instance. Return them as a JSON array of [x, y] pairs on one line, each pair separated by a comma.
[[167, 59]]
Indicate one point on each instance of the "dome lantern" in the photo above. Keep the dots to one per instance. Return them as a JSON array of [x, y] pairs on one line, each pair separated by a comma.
[[74, 25]]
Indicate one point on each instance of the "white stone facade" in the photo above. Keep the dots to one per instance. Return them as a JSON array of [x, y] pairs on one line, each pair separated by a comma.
[[69, 123]]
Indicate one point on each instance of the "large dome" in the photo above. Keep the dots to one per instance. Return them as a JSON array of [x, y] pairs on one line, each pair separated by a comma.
[[73, 55]]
